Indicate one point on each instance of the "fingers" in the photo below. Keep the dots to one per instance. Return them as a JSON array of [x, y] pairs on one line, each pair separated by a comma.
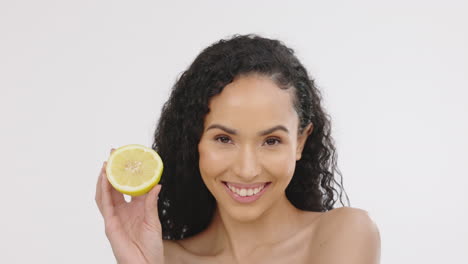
[[106, 196], [151, 206], [116, 196], [98, 188], [107, 203], [139, 198]]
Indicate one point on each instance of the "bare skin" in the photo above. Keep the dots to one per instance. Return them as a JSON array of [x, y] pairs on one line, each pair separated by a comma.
[[342, 235], [240, 145], [209, 247], [133, 228], [271, 229]]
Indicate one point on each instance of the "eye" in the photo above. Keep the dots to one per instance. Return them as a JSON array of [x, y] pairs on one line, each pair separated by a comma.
[[272, 141], [223, 139]]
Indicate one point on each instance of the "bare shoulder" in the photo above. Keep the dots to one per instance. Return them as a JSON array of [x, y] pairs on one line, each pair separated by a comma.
[[346, 217], [347, 235]]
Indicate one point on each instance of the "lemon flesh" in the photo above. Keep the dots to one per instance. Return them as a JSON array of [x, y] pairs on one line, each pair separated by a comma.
[[134, 169]]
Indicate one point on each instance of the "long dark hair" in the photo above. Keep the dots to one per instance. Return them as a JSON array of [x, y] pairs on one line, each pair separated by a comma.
[[185, 205]]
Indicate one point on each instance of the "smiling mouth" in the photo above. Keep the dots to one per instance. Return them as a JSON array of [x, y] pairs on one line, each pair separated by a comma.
[[243, 190]]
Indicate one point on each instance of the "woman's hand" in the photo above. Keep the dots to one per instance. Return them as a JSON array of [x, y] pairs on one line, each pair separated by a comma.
[[133, 228]]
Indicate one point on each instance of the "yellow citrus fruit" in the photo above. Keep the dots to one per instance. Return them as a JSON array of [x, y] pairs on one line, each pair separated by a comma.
[[134, 169]]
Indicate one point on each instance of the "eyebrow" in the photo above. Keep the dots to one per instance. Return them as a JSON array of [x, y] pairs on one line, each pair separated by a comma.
[[261, 133]]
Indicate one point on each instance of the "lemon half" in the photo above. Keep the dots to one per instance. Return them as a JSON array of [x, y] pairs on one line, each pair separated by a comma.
[[134, 169]]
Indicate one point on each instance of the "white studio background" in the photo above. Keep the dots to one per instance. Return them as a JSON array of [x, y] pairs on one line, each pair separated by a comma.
[[80, 77]]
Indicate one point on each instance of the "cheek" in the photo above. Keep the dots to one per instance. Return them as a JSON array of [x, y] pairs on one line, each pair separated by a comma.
[[280, 164], [212, 162]]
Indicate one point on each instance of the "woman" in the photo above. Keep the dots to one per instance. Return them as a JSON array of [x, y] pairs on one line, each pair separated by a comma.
[[249, 174]]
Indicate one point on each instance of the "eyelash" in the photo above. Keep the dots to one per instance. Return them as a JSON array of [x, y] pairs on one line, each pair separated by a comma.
[[220, 138]]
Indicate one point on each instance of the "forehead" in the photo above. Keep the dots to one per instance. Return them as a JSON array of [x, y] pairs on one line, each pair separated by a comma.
[[255, 100]]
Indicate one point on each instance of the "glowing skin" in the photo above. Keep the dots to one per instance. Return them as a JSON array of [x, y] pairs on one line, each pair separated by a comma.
[[250, 141], [248, 153]]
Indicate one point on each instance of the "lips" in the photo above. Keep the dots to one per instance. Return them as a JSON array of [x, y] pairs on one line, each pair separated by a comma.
[[246, 193]]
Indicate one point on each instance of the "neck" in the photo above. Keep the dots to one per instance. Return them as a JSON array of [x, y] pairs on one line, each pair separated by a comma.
[[239, 239]]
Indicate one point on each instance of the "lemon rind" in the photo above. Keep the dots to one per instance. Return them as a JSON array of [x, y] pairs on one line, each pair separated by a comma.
[[138, 190]]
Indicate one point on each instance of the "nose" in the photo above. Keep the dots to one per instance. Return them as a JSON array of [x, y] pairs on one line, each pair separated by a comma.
[[247, 165]]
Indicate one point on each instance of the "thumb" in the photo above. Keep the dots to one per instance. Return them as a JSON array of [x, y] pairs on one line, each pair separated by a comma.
[[151, 207]]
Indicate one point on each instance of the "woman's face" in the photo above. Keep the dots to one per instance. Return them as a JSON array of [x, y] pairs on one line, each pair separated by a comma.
[[249, 146]]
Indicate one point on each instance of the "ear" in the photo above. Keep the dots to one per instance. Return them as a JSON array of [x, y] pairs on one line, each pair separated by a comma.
[[302, 138]]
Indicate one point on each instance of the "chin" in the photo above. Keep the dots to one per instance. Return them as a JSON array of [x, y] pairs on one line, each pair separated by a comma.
[[244, 214]]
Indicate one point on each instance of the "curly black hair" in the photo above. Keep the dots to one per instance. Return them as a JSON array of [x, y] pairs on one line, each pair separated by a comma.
[[185, 204]]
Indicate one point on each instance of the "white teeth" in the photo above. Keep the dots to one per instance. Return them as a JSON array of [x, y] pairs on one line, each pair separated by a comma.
[[245, 192]]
